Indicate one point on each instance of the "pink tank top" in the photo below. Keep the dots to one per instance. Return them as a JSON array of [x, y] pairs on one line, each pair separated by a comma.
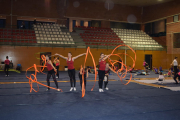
[[102, 65], [49, 67], [179, 73], [57, 64], [144, 63], [70, 64]]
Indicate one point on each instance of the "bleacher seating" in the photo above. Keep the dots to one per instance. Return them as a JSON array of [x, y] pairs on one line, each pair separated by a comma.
[[52, 34], [136, 38], [99, 36], [17, 36]]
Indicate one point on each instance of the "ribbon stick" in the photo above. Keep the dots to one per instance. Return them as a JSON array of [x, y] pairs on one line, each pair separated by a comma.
[[123, 69], [112, 62], [83, 88], [31, 81]]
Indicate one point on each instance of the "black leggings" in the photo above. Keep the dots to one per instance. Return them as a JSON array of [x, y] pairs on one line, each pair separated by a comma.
[[80, 77], [57, 67], [101, 74], [6, 69], [175, 73], [72, 77], [106, 82], [51, 73]]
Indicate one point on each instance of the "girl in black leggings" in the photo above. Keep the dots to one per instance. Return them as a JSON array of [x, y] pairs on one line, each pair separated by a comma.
[[51, 72], [71, 69], [106, 77], [101, 72], [6, 68], [81, 73]]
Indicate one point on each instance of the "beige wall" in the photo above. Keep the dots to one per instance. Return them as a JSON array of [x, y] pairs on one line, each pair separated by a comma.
[[26, 56]]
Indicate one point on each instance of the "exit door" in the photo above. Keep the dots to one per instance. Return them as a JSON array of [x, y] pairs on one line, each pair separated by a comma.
[[148, 59]]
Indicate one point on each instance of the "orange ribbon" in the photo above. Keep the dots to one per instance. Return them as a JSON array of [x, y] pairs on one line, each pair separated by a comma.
[[83, 87], [31, 81], [122, 64], [112, 62]]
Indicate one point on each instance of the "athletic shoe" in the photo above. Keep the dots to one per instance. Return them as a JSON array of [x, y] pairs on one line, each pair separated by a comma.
[[56, 76], [58, 89], [6, 75], [107, 88], [71, 89], [102, 90], [74, 89], [47, 89], [99, 90]]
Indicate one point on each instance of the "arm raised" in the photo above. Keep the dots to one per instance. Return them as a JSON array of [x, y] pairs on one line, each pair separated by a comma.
[[106, 56], [61, 56], [78, 56]]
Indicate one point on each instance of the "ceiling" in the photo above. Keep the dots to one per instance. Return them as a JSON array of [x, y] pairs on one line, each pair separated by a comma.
[[134, 2]]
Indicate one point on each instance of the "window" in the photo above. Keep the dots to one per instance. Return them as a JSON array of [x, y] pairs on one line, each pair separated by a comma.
[[82, 23], [2, 23], [176, 18]]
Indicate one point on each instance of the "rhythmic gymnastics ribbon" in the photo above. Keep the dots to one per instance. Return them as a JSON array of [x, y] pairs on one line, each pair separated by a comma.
[[112, 62], [113, 67], [83, 87], [38, 53], [31, 81]]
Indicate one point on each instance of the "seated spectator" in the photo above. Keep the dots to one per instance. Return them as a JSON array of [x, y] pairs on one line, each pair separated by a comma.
[[160, 69], [23, 25], [156, 71]]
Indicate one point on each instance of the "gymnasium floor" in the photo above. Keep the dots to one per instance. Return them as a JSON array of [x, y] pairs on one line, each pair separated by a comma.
[[141, 99]]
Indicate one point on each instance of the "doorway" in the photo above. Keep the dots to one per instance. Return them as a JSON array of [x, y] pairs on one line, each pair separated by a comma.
[[148, 59]]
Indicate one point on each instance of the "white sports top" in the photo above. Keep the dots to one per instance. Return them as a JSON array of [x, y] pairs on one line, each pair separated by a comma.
[[175, 63], [161, 76]]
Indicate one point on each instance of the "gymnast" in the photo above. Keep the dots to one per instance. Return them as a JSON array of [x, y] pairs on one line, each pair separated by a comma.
[[57, 63], [6, 68], [145, 65], [106, 77], [83, 72], [161, 77], [71, 70], [51, 72], [101, 71]]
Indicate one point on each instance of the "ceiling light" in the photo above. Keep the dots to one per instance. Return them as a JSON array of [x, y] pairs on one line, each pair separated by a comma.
[[160, 0]]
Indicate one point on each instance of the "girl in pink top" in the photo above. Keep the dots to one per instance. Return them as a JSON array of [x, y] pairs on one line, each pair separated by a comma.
[[71, 69], [51, 72], [145, 65], [6, 68]]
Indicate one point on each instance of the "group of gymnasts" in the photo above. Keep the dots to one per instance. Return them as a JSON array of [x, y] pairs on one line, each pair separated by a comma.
[[53, 67], [103, 72]]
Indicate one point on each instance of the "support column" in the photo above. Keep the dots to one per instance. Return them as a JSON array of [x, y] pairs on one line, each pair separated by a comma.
[[143, 27], [70, 25], [78, 22], [86, 23]]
